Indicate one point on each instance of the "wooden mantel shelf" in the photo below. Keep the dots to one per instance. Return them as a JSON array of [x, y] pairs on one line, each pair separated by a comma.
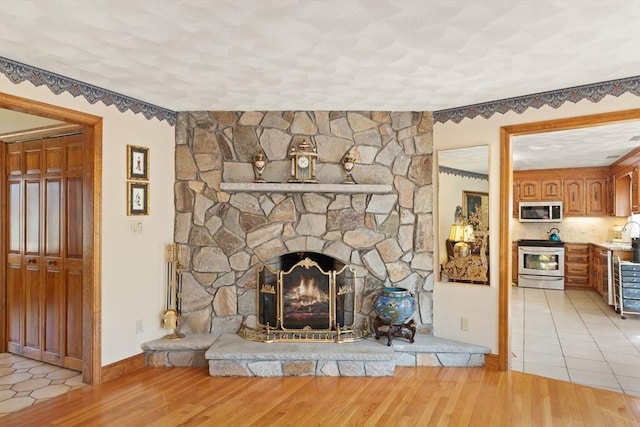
[[277, 187]]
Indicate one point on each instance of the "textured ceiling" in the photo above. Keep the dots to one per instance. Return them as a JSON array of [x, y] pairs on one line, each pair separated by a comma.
[[336, 55], [340, 55], [576, 148]]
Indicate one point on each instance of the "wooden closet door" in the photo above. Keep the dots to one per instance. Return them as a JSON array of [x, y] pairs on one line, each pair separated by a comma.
[[44, 275], [71, 267], [53, 286]]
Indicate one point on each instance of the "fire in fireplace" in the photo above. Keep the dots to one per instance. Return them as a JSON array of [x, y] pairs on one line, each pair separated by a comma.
[[305, 297]]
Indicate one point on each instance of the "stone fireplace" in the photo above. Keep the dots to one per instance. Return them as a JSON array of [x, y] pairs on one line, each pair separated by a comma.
[[229, 228]]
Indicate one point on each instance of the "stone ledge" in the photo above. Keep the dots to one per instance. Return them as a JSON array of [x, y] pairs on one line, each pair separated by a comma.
[[432, 344], [189, 342], [232, 355], [234, 347], [188, 351], [269, 187], [428, 350], [279, 368]]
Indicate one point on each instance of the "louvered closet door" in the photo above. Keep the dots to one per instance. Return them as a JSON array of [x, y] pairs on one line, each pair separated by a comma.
[[44, 277]]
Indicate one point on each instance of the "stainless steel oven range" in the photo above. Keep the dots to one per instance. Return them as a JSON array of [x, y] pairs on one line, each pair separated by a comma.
[[541, 264]]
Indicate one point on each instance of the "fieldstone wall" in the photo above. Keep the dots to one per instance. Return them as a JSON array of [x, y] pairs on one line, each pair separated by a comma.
[[225, 236]]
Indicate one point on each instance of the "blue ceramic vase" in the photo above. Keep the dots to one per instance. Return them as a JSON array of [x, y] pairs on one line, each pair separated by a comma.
[[395, 306]]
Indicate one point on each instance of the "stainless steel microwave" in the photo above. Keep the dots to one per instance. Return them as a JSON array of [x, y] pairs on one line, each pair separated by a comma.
[[540, 212]]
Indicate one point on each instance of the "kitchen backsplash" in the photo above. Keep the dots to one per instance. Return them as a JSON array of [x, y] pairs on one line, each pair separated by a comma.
[[572, 230]]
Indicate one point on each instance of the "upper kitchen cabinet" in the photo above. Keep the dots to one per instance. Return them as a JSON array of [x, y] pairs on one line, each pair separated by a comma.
[[551, 189], [635, 193], [597, 196], [625, 183], [583, 191], [574, 197], [533, 190], [529, 190]]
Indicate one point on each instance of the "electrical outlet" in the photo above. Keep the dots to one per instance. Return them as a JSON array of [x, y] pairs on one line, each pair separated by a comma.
[[139, 326], [464, 324]]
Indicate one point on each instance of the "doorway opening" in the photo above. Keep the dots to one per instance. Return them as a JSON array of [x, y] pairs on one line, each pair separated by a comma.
[[91, 127], [506, 205]]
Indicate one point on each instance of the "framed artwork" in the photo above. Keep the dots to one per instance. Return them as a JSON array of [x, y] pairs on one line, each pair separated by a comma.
[[137, 198], [137, 162], [473, 201]]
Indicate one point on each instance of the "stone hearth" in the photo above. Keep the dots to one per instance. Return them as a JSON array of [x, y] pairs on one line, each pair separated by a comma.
[[230, 355], [226, 226]]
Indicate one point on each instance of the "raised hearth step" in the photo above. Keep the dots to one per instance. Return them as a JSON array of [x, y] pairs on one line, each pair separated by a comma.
[[188, 351], [233, 347], [231, 355], [428, 350]]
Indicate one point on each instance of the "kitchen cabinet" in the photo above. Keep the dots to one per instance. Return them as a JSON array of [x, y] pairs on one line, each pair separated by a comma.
[[583, 191], [516, 199], [573, 197], [596, 196], [599, 269], [620, 199], [635, 193], [576, 265], [529, 190], [551, 189]]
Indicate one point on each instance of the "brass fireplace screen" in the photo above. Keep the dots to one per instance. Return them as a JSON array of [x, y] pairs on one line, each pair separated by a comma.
[[305, 302]]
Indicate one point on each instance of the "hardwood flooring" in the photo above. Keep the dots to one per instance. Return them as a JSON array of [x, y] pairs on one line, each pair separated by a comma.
[[413, 397]]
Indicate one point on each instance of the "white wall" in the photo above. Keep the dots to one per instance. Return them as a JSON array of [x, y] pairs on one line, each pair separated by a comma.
[[451, 301], [133, 266]]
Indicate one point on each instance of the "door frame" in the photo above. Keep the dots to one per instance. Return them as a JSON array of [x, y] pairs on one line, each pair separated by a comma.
[[92, 212], [506, 203]]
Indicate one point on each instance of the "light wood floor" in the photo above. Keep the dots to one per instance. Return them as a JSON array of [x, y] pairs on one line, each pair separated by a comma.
[[413, 397]]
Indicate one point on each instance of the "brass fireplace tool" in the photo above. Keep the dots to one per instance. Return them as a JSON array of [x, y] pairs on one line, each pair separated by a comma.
[[171, 316]]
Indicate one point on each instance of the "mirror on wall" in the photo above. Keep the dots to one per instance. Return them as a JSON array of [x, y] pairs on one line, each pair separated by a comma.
[[463, 212]]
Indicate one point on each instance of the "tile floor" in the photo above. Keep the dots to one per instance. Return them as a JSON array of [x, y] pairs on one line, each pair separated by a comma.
[[575, 336], [24, 382]]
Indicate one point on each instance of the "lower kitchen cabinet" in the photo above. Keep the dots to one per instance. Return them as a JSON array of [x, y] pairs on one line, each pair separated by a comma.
[[576, 265]]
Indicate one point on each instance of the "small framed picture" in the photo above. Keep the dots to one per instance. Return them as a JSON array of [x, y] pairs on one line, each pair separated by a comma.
[[137, 198], [137, 162]]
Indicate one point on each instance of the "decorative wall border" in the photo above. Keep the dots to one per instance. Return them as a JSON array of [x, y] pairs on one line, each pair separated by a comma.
[[463, 173], [555, 99], [18, 72]]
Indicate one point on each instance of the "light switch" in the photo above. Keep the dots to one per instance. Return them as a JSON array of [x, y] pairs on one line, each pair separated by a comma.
[[136, 226]]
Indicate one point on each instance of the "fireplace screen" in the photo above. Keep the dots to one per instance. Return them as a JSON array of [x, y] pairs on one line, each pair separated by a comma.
[[311, 300]]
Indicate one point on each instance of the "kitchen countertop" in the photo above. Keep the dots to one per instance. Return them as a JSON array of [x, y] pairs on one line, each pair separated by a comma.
[[615, 246]]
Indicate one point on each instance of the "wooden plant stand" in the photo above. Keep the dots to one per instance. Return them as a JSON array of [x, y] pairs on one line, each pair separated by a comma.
[[405, 330]]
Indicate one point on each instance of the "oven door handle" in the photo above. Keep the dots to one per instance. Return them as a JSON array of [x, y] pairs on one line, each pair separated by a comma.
[[538, 276], [545, 251]]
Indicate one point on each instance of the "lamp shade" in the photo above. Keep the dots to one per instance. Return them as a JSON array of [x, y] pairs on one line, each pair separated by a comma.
[[457, 233], [468, 234]]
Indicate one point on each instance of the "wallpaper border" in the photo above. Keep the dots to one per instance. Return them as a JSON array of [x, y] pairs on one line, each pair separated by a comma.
[[18, 72]]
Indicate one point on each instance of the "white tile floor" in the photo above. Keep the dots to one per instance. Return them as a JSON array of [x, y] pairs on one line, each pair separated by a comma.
[[574, 336], [25, 382]]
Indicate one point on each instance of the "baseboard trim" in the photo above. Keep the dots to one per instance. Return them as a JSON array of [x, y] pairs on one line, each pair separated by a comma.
[[492, 361], [122, 367]]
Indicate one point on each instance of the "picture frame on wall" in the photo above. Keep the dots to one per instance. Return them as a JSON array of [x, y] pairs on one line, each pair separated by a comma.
[[137, 198], [137, 162]]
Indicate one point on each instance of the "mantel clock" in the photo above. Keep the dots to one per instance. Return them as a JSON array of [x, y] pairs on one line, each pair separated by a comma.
[[303, 162]]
